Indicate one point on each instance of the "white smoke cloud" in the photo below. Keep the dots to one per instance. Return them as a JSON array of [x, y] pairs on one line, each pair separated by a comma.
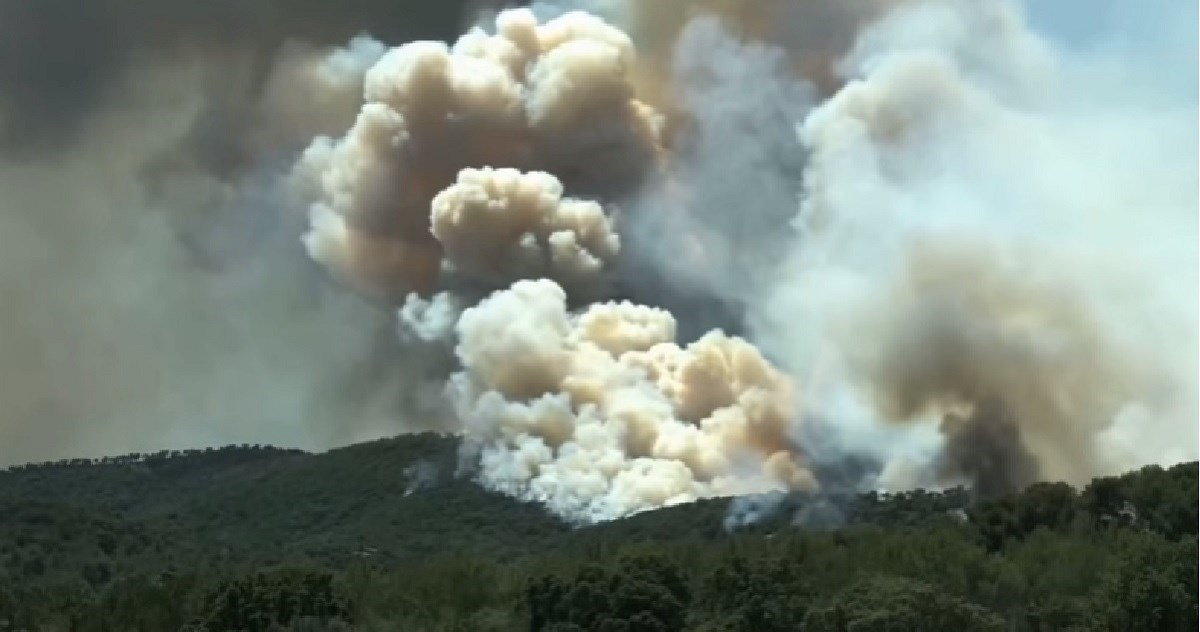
[[974, 260], [721, 217], [158, 299], [600, 415], [551, 98], [748, 510], [985, 225], [421, 476], [503, 225]]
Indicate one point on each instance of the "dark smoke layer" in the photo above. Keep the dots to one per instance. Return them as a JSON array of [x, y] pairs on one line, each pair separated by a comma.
[[154, 291], [62, 62]]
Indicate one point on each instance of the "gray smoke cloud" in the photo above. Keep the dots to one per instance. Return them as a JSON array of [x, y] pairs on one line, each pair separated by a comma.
[[998, 244], [503, 160], [706, 239], [155, 292], [916, 221], [958, 243], [421, 476], [63, 62]]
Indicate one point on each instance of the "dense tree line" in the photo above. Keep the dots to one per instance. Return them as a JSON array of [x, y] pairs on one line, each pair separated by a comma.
[[225, 453], [1119, 554]]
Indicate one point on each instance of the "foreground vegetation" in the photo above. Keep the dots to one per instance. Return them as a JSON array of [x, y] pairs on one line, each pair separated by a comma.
[[381, 536]]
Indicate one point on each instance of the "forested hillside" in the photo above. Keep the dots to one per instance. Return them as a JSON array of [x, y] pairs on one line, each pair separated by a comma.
[[383, 536]]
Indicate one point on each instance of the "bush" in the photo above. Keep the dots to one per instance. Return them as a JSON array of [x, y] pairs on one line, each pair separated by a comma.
[[892, 604], [643, 594], [262, 601]]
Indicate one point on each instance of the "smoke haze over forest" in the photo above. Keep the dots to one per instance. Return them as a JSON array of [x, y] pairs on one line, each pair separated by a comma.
[[633, 257]]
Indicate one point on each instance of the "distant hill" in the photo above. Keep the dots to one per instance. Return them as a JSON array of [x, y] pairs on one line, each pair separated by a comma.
[[88, 527], [393, 499]]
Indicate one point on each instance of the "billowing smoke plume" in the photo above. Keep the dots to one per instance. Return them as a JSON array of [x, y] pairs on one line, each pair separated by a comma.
[[550, 98], [999, 238], [732, 79], [601, 414], [409, 201], [670, 250], [916, 208], [813, 34], [504, 225]]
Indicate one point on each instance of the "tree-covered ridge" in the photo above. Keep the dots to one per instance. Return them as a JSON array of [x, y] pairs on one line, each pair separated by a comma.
[[254, 505], [383, 536]]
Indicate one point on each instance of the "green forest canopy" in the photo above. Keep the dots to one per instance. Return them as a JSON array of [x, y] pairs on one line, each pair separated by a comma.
[[381, 536]]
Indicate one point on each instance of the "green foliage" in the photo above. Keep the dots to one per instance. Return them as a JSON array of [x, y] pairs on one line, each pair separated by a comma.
[[764, 595], [265, 600], [642, 594], [139, 603], [1163, 501], [1154, 587], [244, 506], [252, 538], [892, 604], [1044, 505]]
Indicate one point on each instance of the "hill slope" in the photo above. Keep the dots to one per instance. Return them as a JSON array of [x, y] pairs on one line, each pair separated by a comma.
[[394, 499], [82, 543]]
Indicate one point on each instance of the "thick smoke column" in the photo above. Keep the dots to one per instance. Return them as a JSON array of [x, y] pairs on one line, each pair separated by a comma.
[[932, 199], [601, 414], [732, 78], [996, 240], [551, 98], [598, 414], [813, 34], [503, 225], [953, 250]]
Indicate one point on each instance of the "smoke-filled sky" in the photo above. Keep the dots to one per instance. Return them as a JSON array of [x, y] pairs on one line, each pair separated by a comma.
[[635, 255], [63, 61], [155, 294]]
